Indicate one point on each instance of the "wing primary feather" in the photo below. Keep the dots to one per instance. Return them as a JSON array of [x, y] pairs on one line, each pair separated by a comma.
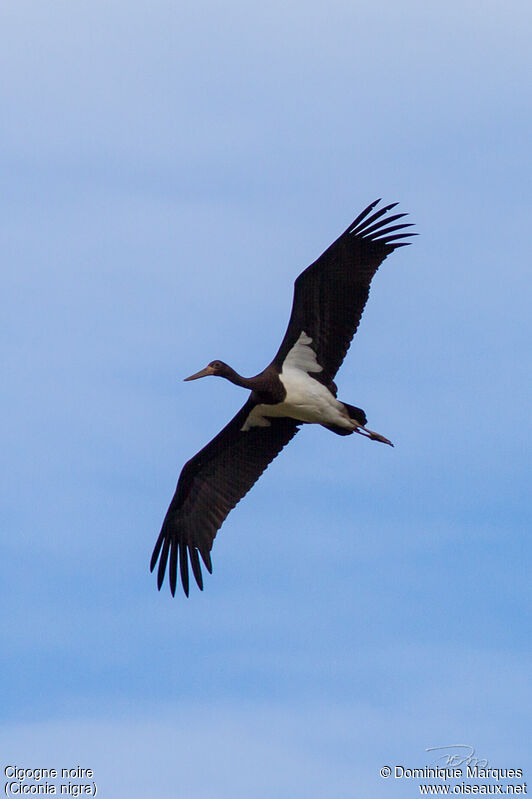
[[206, 558], [183, 565], [357, 229], [196, 568], [382, 222], [362, 214], [388, 239], [156, 550], [162, 562], [384, 230], [173, 566]]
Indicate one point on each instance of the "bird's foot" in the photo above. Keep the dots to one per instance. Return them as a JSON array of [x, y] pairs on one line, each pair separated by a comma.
[[371, 434]]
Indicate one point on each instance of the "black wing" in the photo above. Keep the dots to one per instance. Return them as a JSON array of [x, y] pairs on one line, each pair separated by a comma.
[[330, 295], [209, 486]]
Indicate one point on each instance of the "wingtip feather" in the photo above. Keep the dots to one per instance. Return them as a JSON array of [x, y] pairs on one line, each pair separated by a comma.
[[162, 562], [206, 558], [362, 215], [173, 567], [196, 568], [183, 565], [376, 227], [156, 550], [361, 223]]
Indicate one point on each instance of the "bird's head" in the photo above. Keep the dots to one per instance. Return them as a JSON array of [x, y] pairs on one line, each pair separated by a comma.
[[218, 368]]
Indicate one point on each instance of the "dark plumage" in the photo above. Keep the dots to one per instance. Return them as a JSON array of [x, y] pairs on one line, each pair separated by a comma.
[[329, 298]]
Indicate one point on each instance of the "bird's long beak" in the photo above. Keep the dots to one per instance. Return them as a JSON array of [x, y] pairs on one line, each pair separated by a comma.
[[203, 373]]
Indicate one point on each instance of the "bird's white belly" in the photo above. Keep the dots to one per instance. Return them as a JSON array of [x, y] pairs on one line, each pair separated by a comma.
[[306, 400]]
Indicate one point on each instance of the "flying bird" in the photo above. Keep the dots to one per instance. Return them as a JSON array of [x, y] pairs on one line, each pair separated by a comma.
[[296, 388]]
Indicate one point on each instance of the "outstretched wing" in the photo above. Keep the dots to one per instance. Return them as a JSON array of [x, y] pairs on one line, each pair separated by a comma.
[[209, 486], [330, 295]]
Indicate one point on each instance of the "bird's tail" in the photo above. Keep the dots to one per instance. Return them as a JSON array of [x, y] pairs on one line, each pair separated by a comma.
[[356, 414]]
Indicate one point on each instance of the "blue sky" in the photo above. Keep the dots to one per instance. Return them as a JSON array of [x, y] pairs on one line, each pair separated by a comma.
[[168, 170]]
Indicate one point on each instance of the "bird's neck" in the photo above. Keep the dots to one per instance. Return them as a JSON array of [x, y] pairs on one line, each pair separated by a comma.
[[237, 379]]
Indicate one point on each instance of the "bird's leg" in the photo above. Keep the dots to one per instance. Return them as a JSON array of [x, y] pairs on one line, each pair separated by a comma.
[[363, 431]]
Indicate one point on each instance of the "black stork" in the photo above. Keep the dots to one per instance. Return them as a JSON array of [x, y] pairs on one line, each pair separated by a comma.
[[296, 388]]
